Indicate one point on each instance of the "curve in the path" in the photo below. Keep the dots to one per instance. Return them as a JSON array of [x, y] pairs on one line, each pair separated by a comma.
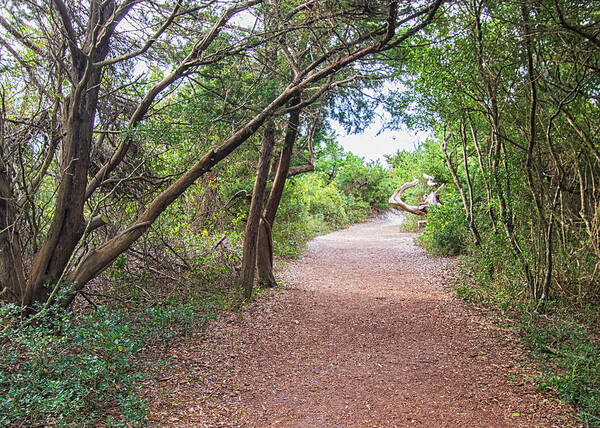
[[362, 334]]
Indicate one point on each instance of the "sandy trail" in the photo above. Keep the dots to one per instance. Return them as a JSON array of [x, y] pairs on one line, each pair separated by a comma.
[[362, 334]]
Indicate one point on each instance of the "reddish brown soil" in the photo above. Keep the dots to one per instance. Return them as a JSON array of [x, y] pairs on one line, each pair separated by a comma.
[[361, 334]]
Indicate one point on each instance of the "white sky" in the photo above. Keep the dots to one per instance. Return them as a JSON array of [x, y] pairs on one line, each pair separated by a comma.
[[372, 146], [375, 140]]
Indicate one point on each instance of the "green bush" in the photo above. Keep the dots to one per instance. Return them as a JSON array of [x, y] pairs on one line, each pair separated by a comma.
[[60, 370], [65, 369], [292, 226], [357, 210], [367, 182], [324, 201], [491, 273], [410, 223], [446, 230]]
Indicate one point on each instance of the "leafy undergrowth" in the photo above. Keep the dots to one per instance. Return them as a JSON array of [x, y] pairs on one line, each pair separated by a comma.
[[66, 369], [570, 361], [560, 341]]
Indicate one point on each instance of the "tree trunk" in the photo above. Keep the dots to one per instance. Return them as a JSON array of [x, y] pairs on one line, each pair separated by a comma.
[[484, 175], [470, 216], [256, 206], [12, 276], [526, 39], [264, 255], [65, 230], [264, 259], [63, 235]]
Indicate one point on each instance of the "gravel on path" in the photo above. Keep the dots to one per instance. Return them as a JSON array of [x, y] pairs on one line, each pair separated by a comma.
[[362, 333]]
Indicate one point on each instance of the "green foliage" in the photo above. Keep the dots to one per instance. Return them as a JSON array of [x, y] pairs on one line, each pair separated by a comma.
[[293, 226], [520, 183], [308, 208], [356, 209], [410, 223], [427, 158], [571, 361], [86, 369], [367, 182], [62, 370], [446, 232], [491, 273], [325, 202]]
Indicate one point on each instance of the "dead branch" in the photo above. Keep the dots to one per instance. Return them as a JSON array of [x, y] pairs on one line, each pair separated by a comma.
[[431, 199], [397, 202]]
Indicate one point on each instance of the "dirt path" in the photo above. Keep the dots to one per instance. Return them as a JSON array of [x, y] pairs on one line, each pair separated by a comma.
[[361, 335]]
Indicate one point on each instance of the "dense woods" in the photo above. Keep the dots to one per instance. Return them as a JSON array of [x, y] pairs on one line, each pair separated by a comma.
[[155, 157], [512, 89]]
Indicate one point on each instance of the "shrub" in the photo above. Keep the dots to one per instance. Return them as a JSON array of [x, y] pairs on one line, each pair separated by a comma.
[[325, 202], [410, 223], [492, 273], [58, 370], [446, 230], [292, 225], [357, 210]]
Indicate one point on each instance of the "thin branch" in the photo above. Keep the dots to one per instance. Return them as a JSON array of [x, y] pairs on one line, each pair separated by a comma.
[[149, 42], [20, 37], [68, 26]]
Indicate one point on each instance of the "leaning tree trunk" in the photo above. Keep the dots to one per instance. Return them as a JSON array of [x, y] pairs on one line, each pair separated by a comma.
[[258, 194]]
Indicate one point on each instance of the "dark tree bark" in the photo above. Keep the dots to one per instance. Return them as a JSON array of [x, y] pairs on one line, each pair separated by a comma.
[[254, 216], [264, 255], [64, 233], [264, 259], [12, 275]]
